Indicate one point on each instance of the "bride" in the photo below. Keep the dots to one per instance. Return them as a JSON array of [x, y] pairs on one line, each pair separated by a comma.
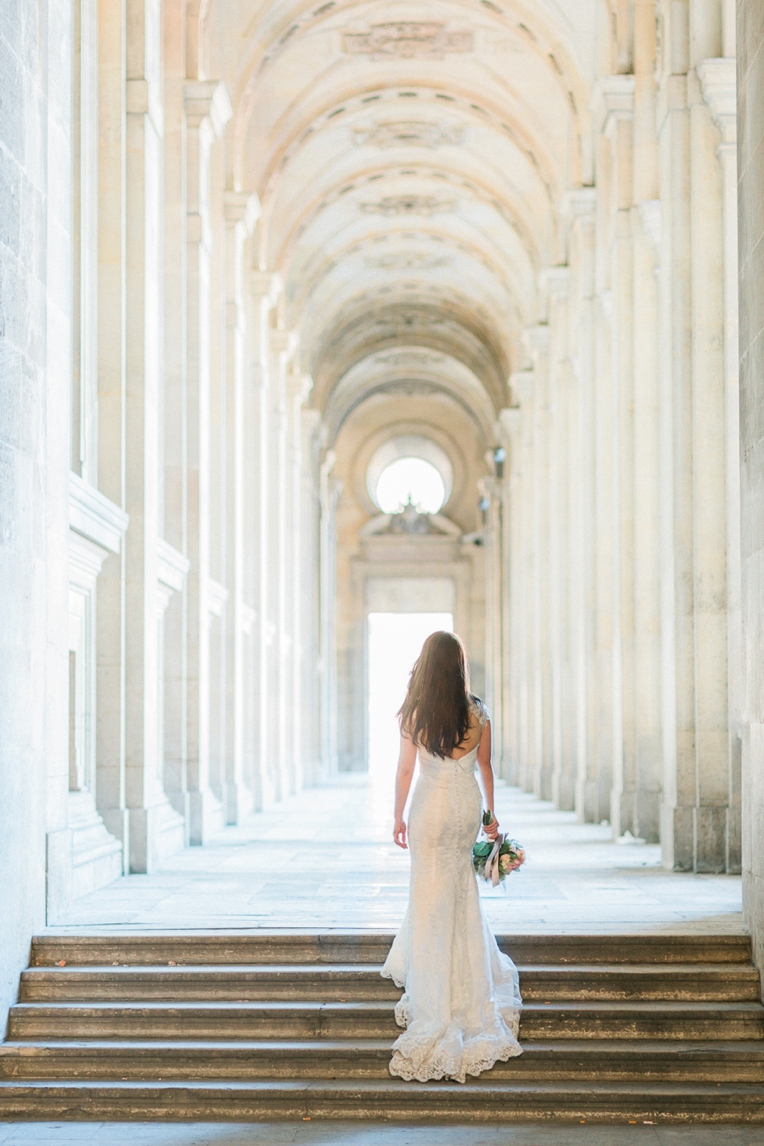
[[461, 1006]]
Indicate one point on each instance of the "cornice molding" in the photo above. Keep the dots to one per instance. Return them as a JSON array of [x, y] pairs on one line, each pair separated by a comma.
[[242, 207], [612, 99], [94, 516], [718, 84], [172, 566], [207, 99]]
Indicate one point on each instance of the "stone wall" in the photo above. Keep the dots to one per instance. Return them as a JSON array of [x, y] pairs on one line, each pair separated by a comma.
[[35, 275], [750, 31]]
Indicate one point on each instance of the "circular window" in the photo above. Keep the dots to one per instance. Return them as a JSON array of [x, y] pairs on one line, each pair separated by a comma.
[[409, 468], [410, 479]]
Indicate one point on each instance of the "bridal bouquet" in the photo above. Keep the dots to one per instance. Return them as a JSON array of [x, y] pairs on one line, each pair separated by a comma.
[[493, 860]]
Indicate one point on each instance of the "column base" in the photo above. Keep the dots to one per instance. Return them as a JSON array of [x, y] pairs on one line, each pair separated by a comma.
[[96, 853], [695, 839], [205, 816], [58, 873], [155, 833], [238, 802]]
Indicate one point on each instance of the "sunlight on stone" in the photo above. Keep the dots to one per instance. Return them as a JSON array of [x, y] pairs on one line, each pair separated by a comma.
[[395, 641]]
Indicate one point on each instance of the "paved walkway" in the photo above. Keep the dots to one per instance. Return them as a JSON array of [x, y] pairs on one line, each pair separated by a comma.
[[324, 858]]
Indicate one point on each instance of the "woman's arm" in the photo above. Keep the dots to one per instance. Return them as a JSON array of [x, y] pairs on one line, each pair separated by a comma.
[[406, 763], [486, 778]]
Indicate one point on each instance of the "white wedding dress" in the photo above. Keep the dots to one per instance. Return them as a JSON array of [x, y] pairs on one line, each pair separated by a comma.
[[461, 1006]]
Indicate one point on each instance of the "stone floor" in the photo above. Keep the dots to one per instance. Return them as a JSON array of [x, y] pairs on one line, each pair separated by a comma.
[[324, 858], [376, 1134]]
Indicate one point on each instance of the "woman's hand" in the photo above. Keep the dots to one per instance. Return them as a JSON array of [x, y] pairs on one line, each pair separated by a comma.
[[399, 834], [492, 829]]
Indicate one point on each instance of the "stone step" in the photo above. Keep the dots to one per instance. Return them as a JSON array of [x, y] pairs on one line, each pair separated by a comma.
[[275, 947], [160, 1060], [475, 1100], [375, 1019], [334, 982]]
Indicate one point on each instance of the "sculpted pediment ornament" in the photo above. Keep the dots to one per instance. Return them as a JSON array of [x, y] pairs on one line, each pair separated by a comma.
[[407, 40]]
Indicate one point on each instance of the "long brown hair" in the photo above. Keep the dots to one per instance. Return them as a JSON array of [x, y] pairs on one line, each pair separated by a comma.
[[436, 711]]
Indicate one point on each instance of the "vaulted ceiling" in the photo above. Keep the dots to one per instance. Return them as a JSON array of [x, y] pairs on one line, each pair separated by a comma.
[[412, 160]]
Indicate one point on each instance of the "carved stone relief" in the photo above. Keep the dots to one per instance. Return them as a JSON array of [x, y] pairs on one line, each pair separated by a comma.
[[407, 40], [408, 133], [408, 205], [408, 261], [409, 359]]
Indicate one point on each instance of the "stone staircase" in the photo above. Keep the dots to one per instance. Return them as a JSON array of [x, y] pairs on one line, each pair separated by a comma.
[[285, 1025]]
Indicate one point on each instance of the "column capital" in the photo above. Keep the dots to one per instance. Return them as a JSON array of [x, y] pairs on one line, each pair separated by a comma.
[[299, 386], [536, 339], [555, 281], [312, 423], [612, 100], [580, 203], [522, 384], [207, 99], [285, 342], [718, 84], [511, 420], [267, 285], [242, 207]]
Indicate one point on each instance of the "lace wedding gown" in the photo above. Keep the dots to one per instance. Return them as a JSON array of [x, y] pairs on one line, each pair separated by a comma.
[[461, 1006]]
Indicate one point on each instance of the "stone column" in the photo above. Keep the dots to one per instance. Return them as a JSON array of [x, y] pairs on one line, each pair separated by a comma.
[[678, 701], [266, 288], [617, 110], [143, 342], [537, 344], [311, 434], [511, 420], [330, 488], [207, 110], [556, 281], [582, 537], [241, 213], [606, 692], [697, 782], [299, 618], [491, 492], [112, 427], [646, 223], [718, 80], [523, 573], [175, 413], [750, 39], [284, 720]]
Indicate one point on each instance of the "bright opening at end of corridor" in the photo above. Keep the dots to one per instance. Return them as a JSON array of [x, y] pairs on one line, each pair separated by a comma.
[[394, 643]]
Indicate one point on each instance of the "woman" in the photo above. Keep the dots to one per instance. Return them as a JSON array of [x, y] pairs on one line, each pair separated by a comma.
[[461, 1006]]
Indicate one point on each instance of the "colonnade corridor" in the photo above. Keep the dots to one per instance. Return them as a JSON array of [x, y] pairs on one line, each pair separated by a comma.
[[325, 323]]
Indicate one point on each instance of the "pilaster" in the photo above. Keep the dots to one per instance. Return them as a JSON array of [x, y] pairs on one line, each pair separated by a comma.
[[536, 340], [719, 88], [144, 384], [207, 109], [241, 214]]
